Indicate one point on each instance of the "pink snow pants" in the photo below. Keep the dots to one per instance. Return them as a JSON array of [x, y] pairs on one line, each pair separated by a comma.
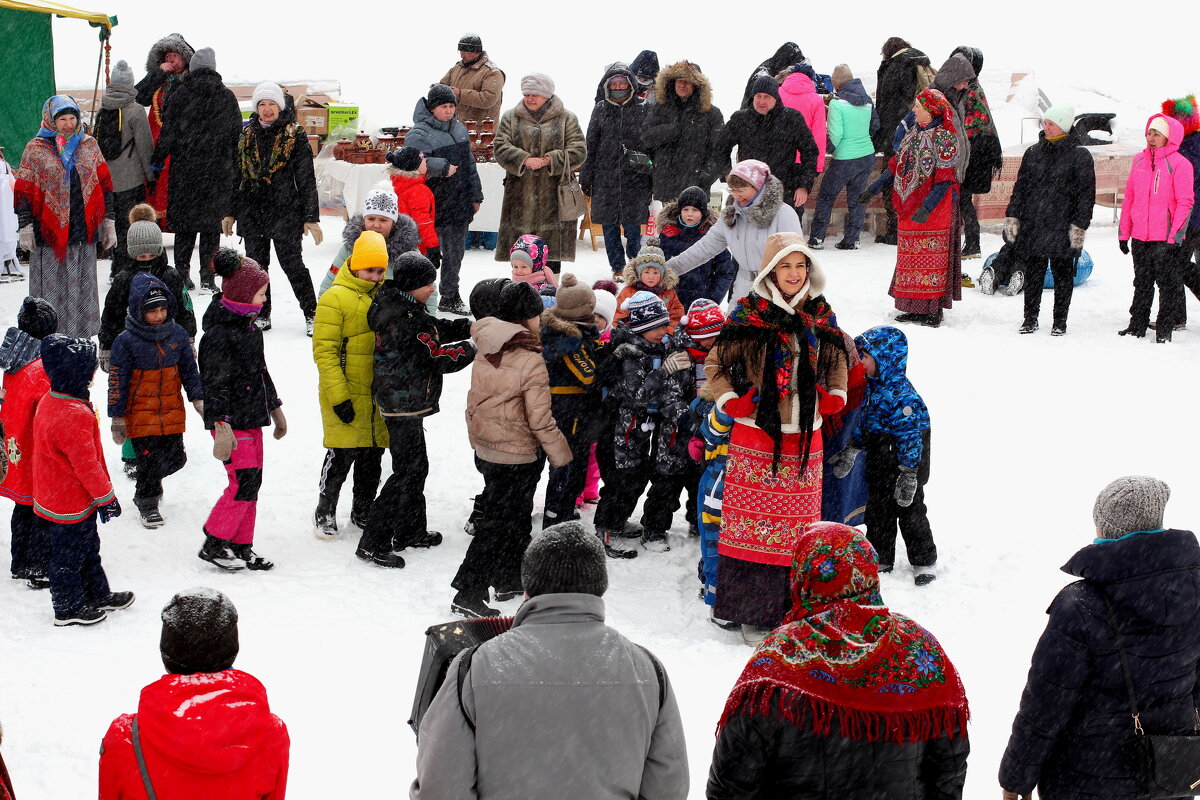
[[232, 518], [591, 488]]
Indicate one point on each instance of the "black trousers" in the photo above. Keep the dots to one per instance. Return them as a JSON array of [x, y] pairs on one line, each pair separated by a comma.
[[662, 501], [970, 223], [368, 467], [620, 488], [884, 513], [157, 457], [1063, 270], [502, 531], [566, 483], [398, 513], [292, 260], [1161, 264], [30, 543], [185, 243], [123, 203], [1191, 269], [77, 578]]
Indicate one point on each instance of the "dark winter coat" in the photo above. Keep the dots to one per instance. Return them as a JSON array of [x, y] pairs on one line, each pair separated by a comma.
[[676, 424], [895, 93], [640, 396], [711, 279], [892, 406], [233, 369], [766, 756], [412, 351], [277, 209], [774, 138], [575, 361], [1055, 189], [445, 144], [1189, 148], [619, 195], [201, 126], [682, 135], [149, 366], [1071, 735], [789, 53], [116, 302]]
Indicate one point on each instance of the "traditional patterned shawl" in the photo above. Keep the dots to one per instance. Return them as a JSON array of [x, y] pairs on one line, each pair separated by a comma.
[[45, 182], [842, 657], [253, 168], [925, 151]]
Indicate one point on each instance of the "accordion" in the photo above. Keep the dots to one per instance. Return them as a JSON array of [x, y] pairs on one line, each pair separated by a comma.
[[442, 643]]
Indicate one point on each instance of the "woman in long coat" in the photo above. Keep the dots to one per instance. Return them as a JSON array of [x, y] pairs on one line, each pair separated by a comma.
[[536, 142], [64, 202]]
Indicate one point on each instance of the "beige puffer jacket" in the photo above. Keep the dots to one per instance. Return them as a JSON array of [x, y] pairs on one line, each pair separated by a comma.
[[508, 406]]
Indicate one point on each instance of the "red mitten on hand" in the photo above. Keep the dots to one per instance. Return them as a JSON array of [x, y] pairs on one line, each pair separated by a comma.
[[696, 449], [828, 403], [742, 406]]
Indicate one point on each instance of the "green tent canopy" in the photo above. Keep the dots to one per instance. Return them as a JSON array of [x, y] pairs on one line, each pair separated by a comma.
[[27, 66]]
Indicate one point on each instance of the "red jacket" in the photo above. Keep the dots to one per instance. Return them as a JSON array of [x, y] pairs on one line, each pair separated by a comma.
[[204, 736], [416, 199], [22, 392], [69, 476]]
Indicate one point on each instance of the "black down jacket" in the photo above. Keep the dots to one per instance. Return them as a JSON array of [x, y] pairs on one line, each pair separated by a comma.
[[1055, 189], [895, 92], [619, 195], [445, 144], [1071, 735], [774, 138], [278, 207], [233, 369], [683, 135]]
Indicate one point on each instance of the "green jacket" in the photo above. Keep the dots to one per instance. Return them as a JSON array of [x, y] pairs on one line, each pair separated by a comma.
[[344, 349], [849, 130]]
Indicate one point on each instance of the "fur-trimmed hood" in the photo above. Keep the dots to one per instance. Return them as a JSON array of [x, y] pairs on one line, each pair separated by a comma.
[[761, 212], [669, 215], [669, 280], [403, 238], [778, 246], [393, 172], [171, 43], [553, 322], [613, 71], [664, 85]]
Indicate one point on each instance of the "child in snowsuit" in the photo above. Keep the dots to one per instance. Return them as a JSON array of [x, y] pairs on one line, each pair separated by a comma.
[[380, 214], [574, 356], [413, 349], [511, 429], [713, 446], [648, 272], [344, 349], [150, 367], [25, 383], [239, 401], [528, 257], [895, 432], [681, 224], [71, 485], [415, 199]]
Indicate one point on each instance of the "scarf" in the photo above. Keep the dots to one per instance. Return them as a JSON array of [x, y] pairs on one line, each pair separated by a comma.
[[842, 657], [249, 310], [925, 151], [64, 145], [250, 158], [44, 180], [768, 329], [521, 340]]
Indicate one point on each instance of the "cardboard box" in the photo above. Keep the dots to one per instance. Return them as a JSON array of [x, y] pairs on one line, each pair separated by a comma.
[[312, 115], [341, 116]]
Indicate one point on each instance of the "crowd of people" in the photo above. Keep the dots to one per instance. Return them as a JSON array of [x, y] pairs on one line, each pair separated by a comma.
[[711, 371]]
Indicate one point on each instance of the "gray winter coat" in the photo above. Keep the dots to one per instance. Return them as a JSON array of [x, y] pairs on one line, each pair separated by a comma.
[[133, 167], [564, 706], [744, 232]]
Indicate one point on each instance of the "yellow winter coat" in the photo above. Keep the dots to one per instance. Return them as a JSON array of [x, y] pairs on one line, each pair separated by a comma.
[[344, 349]]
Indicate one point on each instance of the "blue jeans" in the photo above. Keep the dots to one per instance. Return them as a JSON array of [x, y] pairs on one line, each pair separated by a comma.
[[77, 578], [612, 244], [851, 175]]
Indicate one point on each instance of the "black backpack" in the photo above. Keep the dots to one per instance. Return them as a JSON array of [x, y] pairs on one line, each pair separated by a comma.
[[109, 131]]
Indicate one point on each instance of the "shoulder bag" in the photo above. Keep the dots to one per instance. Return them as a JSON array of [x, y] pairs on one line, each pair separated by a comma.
[[571, 203]]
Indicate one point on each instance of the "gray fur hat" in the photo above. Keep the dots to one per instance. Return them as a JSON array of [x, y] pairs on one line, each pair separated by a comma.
[[1132, 503], [564, 558]]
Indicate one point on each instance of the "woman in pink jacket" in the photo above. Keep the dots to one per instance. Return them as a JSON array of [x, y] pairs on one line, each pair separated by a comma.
[[799, 92], [1158, 201]]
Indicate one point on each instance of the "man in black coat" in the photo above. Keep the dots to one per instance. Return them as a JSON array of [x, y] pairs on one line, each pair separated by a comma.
[[899, 80], [1048, 215], [683, 129], [620, 192], [773, 133], [1072, 734], [201, 126]]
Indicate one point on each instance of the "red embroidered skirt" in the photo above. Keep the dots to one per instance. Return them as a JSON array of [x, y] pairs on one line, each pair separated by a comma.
[[928, 274], [763, 513]]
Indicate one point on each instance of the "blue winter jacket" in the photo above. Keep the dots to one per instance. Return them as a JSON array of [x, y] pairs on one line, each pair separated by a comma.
[[711, 279], [1189, 148], [892, 406]]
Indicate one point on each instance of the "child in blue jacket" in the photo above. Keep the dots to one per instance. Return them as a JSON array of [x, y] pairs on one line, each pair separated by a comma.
[[895, 431]]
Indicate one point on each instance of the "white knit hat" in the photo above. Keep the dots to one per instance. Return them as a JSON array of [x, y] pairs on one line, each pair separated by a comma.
[[382, 203], [268, 91], [606, 306]]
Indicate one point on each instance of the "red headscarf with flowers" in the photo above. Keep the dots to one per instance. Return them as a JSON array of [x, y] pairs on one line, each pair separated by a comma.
[[938, 107]]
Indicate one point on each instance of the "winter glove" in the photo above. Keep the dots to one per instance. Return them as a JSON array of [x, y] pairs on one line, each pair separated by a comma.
[[280, 422], [921, 215], [906, 486], [1012, 227], [108, 234], [1077, 233], [104, 357], [828, 403], [679, 360], [742, 406], [1124, 245], [227, 226], [841, 463], [118, 430], [627, 350], [199, 406], [434, 254], [344, 411], [224, 442], [110, 510], [25, 238], [314, 230], [696, 449]]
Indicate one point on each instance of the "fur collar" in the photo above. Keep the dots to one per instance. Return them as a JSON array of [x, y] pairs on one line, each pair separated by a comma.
[[403, 173], [555, 323], [404, 236], [552, 109], [762, 212], [670, 216], [669, 281], [664, 85]]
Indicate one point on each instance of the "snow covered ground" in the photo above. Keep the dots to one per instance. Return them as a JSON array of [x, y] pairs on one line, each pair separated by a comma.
[[1027, 429]]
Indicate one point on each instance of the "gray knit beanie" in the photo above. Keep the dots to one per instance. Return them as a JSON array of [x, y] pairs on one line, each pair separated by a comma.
[[144, 239], [205, 58], [122, 75], [564, 558], [1132, 503]]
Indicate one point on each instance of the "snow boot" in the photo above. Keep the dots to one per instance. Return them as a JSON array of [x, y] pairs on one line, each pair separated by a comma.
[[453, 305], [655, 541], [253, 560], [613, 546], [987, 281], [325, 519], [148, 513], [1016, 282], [723, 624], [631, 530], [1137, 333], [1162, 337], [309, 319], [389, 560], [844, 245], [426, 539], [884, 569], [37, 582], [504, 595], [1058, 329], [130, 468], [84, 616], [932, 320], [216, 552], [472, 607], [925, 575], [753, 635], [116, 601], [359, 519], [816, 244], [1028, 326]]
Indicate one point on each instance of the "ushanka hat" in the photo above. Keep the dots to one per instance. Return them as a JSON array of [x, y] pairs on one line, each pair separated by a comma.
[[647, 311], [199, 632]]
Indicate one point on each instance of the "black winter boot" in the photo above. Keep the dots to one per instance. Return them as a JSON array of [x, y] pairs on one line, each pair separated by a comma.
[[325, 519], [216, 552], [252, 559]]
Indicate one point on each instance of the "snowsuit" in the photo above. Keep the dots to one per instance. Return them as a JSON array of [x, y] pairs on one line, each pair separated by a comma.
[[116, 302], [149, 368], [131, 169], [403, 239], [894, 432], [682, 135], [714, 430], [238, 390], [711, 279], [852, 121], [25, 384]]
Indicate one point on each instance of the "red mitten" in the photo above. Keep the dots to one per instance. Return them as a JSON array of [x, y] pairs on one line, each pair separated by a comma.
[[696, 449], [742, 406], [828, 403]]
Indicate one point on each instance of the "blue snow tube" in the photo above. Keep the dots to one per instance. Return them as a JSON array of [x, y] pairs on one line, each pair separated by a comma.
[[1083, 271]]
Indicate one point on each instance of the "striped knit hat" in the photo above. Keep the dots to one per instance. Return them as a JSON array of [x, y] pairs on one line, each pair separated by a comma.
[[646, 312]]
